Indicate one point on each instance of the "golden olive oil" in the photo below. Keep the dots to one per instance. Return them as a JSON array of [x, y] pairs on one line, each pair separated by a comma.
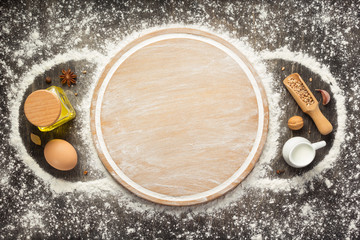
[[67, 111]]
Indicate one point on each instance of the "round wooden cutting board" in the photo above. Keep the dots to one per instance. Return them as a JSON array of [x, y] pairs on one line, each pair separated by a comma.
[[179, 116]]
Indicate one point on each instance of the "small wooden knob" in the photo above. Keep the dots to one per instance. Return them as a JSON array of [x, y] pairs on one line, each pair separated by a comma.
[[42, 108]]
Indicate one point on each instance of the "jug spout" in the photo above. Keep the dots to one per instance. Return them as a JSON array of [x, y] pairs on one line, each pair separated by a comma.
[[319, 145]]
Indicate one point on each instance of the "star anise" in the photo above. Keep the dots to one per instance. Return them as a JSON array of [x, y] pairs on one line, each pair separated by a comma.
[[68, 77]]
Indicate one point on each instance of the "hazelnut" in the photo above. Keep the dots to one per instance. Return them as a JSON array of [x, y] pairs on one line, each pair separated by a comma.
[[296, 123]]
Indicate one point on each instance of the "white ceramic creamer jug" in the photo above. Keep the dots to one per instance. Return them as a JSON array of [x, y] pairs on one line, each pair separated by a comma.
[[299, 152]]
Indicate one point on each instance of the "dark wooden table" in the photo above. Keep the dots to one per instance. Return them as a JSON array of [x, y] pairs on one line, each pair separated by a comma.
[[326, 31]]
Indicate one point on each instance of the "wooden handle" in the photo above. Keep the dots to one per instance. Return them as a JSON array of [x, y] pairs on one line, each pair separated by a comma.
[[321, 121]]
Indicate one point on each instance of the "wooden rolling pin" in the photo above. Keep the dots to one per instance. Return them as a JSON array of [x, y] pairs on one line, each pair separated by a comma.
[[307, 102]]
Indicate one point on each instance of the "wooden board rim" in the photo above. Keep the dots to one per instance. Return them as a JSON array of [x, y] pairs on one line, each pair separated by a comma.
[[196, 198]]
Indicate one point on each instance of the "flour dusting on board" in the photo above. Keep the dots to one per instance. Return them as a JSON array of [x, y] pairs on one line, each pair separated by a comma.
[[99, 201]]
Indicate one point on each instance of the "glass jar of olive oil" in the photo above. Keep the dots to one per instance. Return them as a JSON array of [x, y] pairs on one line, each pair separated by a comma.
[[48, 108]]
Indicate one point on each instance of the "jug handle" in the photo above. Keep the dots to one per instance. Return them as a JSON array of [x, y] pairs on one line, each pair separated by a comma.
[[319, 145]]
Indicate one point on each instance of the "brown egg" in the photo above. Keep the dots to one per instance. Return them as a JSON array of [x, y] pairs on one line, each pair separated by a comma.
[[60, 154]]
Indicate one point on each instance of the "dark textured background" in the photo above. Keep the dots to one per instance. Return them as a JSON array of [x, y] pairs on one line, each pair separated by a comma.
[[297, 25]]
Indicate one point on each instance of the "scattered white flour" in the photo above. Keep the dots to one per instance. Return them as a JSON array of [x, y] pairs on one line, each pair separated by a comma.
[[328, 183], [32, 220], [257, 237], [257, 178], [130, 230], [35, 54], [306, 211]]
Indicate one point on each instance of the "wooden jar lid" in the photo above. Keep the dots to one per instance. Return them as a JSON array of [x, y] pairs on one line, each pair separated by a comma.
[[42, 108]]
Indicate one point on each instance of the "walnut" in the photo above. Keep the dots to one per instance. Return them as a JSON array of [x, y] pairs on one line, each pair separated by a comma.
[[296, 123]]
